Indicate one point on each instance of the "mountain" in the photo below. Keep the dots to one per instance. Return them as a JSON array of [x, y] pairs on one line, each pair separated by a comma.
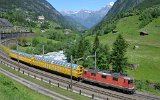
[[40, 7], [86, 17], [121, 6], [31, 9], [126, 8], [74, 23]]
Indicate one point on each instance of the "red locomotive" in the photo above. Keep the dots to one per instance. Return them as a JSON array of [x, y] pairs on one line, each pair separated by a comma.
[[109, 79]]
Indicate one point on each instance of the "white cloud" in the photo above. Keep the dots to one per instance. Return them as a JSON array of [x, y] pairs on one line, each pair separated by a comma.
[[111, 3]]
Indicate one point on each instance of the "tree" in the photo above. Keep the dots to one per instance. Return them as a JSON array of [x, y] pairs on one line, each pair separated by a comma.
[[81, 47], [71, 49], [155, 12], [118, 58], [103, 57], [87, 52], [22, 42], [45, 25], [35, 42], [145, 18], [96, 44], [49, 47]]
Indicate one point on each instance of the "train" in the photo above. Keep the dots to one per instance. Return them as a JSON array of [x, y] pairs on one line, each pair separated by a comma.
[[110, 79], [100, 77], [47, 63]]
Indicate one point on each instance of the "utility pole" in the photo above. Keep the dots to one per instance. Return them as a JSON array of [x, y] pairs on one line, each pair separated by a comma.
[[18, 54], [72, 61], [71, 72], [43, 51], [0, 39], [95, 59], [95, 55]]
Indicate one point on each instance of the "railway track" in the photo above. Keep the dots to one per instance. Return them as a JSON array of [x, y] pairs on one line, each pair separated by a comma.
[[35, 87], [85, 87], [66, 81], [147, 97]]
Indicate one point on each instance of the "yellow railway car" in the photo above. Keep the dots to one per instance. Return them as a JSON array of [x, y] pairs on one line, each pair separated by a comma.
[[59, 66], [27, 58], [54, 65], [7, 50]]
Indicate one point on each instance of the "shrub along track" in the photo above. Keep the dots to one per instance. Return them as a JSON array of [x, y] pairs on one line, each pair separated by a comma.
[[100, 93]]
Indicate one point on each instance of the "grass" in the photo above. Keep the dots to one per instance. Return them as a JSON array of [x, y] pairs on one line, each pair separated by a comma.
[[53, 88], [12, 90], [44, 40], [145, 86], [148, 54]]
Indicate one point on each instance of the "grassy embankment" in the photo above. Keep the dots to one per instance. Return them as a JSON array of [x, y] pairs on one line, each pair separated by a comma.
[[53, 88], [12, 90]]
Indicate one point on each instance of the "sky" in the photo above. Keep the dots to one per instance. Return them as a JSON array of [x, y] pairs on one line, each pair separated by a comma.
[[75, 5]]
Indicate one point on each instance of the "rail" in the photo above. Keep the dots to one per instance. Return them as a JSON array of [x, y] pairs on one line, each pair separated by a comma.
[[82, 88]]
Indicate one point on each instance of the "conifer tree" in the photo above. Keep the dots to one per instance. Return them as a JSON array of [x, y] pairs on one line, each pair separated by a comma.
[[118, 58], [96, 44], [103, 57]]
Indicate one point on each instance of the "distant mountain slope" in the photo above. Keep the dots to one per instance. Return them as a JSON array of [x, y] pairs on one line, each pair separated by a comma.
[[86, 17], [40, 7], [33, 9], [78, 26], [121, 6], [125, 8], [147, 4]]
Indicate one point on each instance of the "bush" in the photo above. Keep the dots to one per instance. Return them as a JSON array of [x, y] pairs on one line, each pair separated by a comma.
[[142, 85], [148, 15], [29, 50], [14, 47], [155, 12], [50, 46], [145, 18], [22, 42], [35, 42], [157, 86], [45, 25]]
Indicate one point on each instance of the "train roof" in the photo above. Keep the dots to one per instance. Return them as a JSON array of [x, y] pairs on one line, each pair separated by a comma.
[[49, 60], [62, 63], [109, 73], [22, 53]]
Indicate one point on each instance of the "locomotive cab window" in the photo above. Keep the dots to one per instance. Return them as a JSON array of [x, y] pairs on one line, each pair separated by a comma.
[[130, 81], [93, 74], [104, 76], [115, 79]]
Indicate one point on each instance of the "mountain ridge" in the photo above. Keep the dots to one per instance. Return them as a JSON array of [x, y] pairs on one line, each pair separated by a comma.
[[125, 8], [121, 6], [32, 9], [88, 18], [40, 7]]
